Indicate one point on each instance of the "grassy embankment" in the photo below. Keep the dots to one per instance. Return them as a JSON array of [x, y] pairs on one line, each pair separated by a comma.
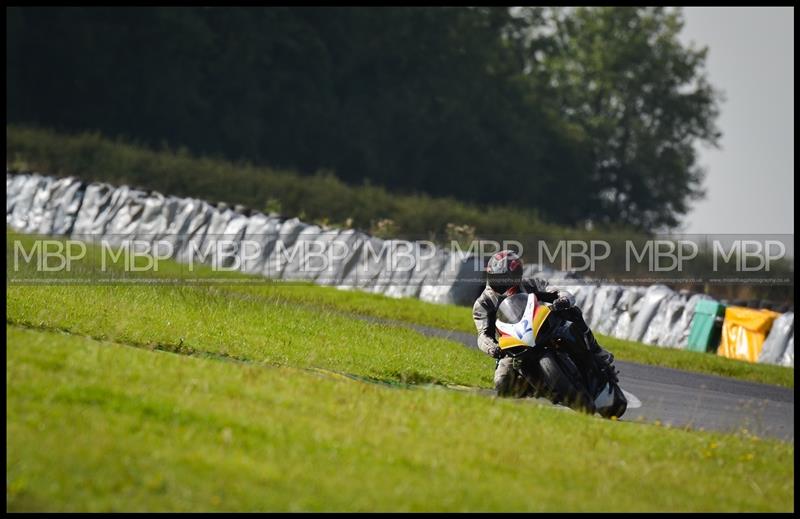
[[93, 425], [278, 297]]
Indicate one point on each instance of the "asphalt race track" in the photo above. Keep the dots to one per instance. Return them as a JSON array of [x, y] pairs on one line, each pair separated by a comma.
[[684, 399]]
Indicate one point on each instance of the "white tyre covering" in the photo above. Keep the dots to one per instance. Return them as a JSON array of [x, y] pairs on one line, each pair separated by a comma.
[[588, 297], [264, 230], [67, 199], [650, 305], [594, 310], [777, 341], [36, 197], [319, 263], [186, 231], [427, 267], [788, 355], [460, 280], [630, 302], [38, 207], [14, 185], [210, 250], [665, 317], [606, 309], [93, 214], [19, 216], [155, 217], [52, 208], [398, 268], [233, 233], [341, 253], [125, 215], [579, 292], [107, 211], [430, 290], [439, 287], [296, 264], [371, 265], [382, 283], [353, 266], [379, 283], [281, 251], [469, 283]]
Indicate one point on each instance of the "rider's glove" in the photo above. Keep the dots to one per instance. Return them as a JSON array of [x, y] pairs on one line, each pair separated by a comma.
[[494, 351], [562, 303]]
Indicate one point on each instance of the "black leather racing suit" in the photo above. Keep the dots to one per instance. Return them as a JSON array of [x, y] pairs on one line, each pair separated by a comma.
[[484, 313]]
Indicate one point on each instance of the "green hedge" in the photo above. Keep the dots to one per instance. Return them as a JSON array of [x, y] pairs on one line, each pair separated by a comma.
[[321, 198]]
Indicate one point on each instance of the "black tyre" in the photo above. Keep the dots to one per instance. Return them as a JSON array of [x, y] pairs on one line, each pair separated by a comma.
[[562, 388]]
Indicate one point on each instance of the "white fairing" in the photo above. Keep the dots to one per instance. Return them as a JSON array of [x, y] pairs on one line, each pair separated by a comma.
[[522, 330], [605, 398]]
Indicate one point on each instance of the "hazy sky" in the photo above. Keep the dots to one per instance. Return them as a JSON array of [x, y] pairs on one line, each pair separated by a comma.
[[750, 178]]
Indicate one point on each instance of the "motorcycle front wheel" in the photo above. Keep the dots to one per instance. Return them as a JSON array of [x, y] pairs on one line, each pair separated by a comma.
[[562, 388]]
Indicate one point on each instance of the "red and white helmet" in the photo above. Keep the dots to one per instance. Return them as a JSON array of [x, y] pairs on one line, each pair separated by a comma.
[[504, 271]]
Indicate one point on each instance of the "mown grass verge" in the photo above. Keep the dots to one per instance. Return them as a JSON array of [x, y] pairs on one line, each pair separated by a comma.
[[97, 426], [299, 324]]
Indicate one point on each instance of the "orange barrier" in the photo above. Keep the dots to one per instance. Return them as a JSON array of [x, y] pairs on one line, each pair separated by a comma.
[[744, 331]]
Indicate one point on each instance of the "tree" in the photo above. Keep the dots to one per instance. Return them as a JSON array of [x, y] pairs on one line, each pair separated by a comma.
[[639, 100], [589, 114]]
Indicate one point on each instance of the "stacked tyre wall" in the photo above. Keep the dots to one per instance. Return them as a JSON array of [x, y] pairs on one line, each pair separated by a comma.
[[44, 205]]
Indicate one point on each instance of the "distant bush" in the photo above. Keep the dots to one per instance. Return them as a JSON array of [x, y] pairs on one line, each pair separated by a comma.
[[322, 197]]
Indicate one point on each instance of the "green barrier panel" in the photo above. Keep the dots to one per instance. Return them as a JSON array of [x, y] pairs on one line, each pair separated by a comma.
[[704, 334]]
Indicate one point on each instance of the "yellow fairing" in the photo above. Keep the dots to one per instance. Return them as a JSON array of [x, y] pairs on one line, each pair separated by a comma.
[[540, 318], [509, 342]]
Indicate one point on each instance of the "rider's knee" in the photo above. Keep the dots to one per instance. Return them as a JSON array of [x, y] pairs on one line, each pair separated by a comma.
[[504, 377]]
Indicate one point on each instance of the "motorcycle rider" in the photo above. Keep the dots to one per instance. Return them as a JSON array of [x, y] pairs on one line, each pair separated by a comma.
[[503, 279]]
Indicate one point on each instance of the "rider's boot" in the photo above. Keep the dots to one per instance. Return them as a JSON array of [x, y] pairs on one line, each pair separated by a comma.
[[603, 358]]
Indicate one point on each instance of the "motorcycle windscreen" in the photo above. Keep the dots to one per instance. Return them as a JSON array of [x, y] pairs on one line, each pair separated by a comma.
[[514, 319], [512, 309]]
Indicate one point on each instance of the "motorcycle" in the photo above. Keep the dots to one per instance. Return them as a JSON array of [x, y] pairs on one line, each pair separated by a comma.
[[554, 358]]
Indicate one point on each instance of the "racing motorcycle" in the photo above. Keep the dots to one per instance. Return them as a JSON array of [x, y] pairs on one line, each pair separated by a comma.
[[554, 358]]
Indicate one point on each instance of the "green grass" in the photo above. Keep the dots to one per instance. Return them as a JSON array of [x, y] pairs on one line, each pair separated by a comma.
[[458, 318], [189, 315], [98, 426], [176, 397], [204, 319]]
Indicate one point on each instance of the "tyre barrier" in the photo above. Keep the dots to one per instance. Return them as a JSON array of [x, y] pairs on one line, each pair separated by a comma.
[[41, 204]]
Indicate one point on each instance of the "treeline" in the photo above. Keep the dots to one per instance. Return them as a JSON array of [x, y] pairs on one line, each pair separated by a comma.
[[321, 198], [585, 115]]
